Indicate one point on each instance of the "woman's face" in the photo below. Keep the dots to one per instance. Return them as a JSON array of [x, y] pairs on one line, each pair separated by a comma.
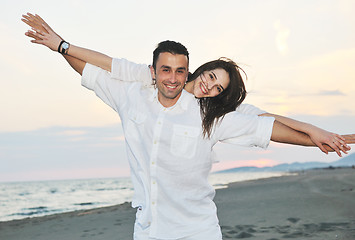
[[211, 83]]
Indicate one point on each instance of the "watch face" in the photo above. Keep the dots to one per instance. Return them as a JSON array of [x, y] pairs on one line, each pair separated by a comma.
[[65, 45]]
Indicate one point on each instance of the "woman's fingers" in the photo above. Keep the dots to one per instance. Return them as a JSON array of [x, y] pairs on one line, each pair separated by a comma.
[[47, 28], [36, 35], [340, 136], [33, 22], [340, 146], [39, 33], [31, 35], [340, 142], [43, 23], [28, 22]]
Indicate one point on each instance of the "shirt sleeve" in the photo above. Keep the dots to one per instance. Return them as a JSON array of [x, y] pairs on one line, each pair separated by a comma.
[[98, 80], [245, 130], [124, 70], [249, 109]]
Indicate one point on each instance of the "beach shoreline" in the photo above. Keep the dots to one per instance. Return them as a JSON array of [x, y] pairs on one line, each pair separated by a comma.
[[314, 204]]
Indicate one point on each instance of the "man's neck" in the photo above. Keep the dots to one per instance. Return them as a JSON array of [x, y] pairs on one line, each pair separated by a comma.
[[167, 102]]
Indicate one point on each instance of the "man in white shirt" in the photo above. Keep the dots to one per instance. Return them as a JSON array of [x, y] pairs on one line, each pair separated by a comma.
[[169, 157]]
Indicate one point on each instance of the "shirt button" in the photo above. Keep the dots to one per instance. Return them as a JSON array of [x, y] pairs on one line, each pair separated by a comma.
[[159, 123], [153, 203], [153, 163], [185, 133], [155, 142], [153, 182]]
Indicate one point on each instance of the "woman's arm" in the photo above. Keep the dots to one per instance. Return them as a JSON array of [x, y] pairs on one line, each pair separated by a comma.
[[140, 73], [285, 134], [318, 136], [44, 34], [326, 141]]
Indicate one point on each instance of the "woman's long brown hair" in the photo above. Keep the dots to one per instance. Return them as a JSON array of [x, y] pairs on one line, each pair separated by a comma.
[[213, 109]]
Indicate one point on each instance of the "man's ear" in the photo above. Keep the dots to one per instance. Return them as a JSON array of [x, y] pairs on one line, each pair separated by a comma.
[[152, 72]]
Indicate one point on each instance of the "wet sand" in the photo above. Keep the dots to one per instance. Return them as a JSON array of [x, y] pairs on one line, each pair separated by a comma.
[[315, 204]]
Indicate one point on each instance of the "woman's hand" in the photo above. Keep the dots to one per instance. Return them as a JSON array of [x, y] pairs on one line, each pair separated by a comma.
[[324, 140], [41, 32], [34, 21], [349, 139], [335, 141]]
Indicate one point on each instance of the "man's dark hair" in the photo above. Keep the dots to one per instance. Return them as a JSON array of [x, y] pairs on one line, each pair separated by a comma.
[[170, 47]]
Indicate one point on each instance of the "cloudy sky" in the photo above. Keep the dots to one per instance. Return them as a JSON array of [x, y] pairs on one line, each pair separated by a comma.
[[299, 57]]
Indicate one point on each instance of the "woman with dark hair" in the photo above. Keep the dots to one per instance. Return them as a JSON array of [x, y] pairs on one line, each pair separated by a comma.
[[218, 85], [215, 99]]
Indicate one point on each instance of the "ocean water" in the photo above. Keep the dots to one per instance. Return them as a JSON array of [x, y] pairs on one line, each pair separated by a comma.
[[33, 199]]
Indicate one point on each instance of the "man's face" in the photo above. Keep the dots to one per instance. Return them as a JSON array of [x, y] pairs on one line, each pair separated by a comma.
[[170, 74]]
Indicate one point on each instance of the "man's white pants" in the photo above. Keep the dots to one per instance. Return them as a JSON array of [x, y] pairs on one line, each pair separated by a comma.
[[214, 233]]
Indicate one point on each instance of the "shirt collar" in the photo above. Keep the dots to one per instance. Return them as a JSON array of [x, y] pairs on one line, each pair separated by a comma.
[[154, 95], [183, 101]]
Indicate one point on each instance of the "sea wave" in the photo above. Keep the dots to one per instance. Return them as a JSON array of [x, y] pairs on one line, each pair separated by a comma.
[[34, 199]]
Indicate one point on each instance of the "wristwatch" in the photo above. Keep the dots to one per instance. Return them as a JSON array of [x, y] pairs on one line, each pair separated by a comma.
[[65, 47]]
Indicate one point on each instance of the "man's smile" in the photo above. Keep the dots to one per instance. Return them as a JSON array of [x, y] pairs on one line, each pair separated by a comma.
[[171, 86]]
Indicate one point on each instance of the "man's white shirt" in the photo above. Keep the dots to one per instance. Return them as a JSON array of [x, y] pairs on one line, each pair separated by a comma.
[[169, 158]]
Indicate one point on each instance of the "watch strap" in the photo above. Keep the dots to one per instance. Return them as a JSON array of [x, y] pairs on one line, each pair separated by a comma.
[[60, 45]]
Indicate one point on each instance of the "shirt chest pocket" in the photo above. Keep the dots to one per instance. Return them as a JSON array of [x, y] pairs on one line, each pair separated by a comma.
[[184, 141], [135, 125], [136, 116]]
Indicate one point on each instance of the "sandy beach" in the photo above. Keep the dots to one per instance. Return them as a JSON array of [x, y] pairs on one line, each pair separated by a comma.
[[315, 204]]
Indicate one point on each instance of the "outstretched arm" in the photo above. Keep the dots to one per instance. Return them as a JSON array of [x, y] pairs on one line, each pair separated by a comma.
[[43, 34], [320, 137], [285, 134], [326, 141]]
